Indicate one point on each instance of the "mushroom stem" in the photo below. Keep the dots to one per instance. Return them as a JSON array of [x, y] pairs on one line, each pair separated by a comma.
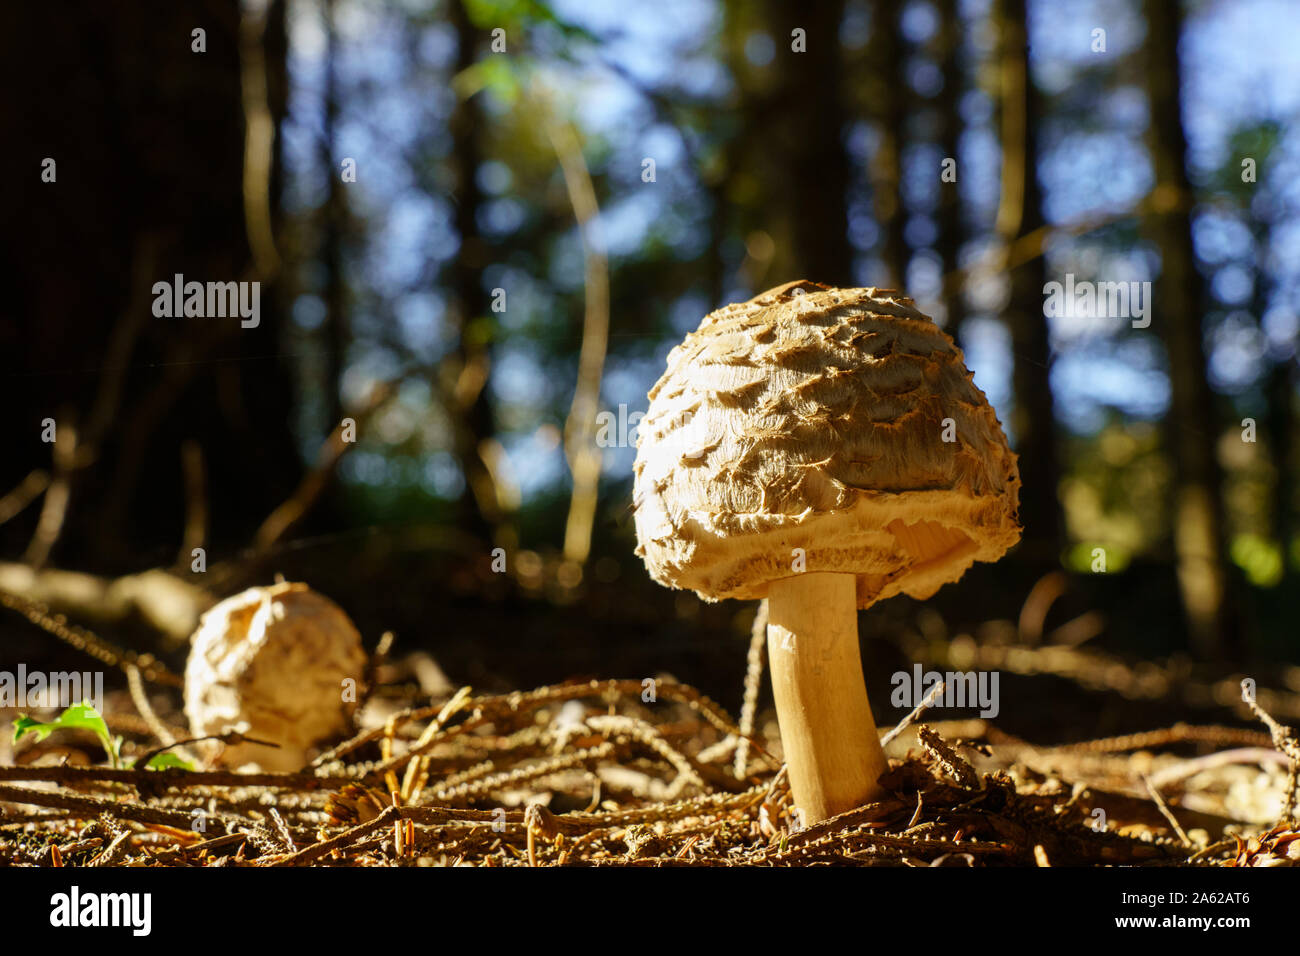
[[831, 746]]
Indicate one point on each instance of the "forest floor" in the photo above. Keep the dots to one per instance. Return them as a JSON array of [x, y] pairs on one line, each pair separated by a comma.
[[596, 773]]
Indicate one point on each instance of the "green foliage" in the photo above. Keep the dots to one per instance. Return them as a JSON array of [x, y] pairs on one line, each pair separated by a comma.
[[85, 717], [506, 77], [496, 75], [1114, 494], [1083, 559], [514, 15], [1256, 141], [77, 717], [167, 761], [1259, 558]]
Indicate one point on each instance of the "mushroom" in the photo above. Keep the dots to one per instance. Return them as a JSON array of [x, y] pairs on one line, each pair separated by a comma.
[[271, 663], [824, 449]]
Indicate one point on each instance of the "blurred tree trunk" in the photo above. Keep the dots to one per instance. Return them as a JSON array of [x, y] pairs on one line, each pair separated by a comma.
[[952, 231], [1282, 426], [1033, 419], [463, 376], [336, 320], [1200, 542], [790, 165], [149, 140], [887, 181], [1279, 392], [742, 194], [809, 171]]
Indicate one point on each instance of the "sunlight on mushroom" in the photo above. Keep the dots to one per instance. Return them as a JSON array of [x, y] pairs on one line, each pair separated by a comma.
[[824, 449], [273, 663]]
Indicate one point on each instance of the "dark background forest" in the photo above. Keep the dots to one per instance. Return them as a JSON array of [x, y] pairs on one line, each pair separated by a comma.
[[479, 228]]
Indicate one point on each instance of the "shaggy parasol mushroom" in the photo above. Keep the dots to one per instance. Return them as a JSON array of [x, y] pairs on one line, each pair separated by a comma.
[[824, 449], [271, 662]]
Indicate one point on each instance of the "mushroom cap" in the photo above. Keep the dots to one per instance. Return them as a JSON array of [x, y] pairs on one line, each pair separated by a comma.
[[271, 662], [815, 418]]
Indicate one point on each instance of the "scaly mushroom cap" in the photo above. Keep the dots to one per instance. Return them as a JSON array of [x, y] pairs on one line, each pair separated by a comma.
[[842, 422], [271, 661]]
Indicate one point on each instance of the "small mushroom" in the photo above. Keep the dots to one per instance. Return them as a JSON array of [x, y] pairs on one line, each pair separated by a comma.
[[824, 449], [271, 663]]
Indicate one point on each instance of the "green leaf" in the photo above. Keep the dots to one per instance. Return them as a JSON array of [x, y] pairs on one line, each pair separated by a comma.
[[77, 717], [167, 761], [24, 725]]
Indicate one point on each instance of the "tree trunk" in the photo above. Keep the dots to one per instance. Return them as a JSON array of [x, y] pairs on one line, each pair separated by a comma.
[[887, 184], [788, 151], [1282, 426], [1279, 392], [809, 176], [336, 320], [464, 374], [1033, 420], [1200, 542], [952, 231]]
